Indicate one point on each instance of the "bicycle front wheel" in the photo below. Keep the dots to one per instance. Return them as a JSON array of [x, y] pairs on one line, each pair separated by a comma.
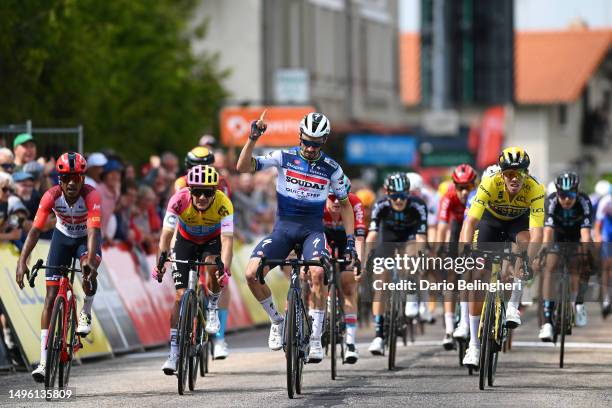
[[485, 336], [54, 343], [333, 328], [393, 318], [565, 305], [185, 340], [197, 351], [65, 366], [291, 344]]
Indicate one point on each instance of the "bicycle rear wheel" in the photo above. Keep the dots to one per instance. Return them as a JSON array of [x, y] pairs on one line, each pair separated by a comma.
[[303, 339], [205, 351], [291, 345], [333, 328], [54, 343], [485, 335], [64, 373], [392, 335], [184, 340], [495, 342]]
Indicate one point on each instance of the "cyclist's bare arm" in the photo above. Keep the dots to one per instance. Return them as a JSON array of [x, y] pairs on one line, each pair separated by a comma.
[[370, 242], [536, 235], [28, 246], [246, 163], [467, 230], [93, 242], [585, 235], [348, 216], [441, 235], [227, 250], [165, 239]]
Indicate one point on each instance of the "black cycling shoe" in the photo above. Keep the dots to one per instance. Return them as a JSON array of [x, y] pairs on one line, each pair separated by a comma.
[[605, 310]]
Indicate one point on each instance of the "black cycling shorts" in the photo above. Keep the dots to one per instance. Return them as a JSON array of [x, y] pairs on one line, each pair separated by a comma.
[[188, 250], [492, 229]]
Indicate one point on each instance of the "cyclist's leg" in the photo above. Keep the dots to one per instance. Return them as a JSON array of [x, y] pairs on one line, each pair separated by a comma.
[[379, 296], [581, 273], [208, 251], [90, 287], [518, 232]]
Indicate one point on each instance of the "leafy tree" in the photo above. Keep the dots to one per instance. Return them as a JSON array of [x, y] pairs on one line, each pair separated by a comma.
[[122, 68]]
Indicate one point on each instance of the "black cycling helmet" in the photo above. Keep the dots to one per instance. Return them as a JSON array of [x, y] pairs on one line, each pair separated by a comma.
[[199, 155], [397, 183], [568, 181], [513, 158]]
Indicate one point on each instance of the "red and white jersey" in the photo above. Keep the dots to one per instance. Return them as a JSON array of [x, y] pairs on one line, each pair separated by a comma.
[[451, 208], [74, 220], [360, 226]]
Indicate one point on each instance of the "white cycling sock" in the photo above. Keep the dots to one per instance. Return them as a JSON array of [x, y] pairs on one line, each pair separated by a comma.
[[213, 300], [449, 322], [8, 339], [43, 345], [317, 322], [351, 327], [268, 305], [174, 348], [474, 323], [465, 313], [515, 297], [87, 302]]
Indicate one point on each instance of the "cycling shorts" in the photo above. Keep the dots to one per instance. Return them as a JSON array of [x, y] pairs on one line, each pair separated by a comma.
[[63, 249], [189, 250]]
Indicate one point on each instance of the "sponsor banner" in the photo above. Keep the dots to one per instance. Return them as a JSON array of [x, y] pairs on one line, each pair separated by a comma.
[[160, 294], [24, 307], [113, 316], [133, 292], [283, 124], [5, 363]]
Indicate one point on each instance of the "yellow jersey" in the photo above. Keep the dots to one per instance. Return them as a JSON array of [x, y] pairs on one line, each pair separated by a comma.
[[493, 196]]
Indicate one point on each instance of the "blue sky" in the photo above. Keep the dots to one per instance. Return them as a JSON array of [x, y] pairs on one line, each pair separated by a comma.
[[533, 14]]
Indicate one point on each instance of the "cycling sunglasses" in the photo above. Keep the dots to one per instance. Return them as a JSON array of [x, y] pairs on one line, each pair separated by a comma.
[[468, 187], [398, 196], [7, 166], [309, 143], [567, 194], [67, 178], [6, 189], [514, 173], [199, 192]]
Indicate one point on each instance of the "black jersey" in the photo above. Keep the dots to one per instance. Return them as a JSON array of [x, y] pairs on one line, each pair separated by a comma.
[[570, 221], [399, 226]]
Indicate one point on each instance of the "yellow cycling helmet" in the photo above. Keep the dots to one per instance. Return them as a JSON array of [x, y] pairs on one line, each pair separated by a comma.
[[366, 196], [513, 158], [199, 155]]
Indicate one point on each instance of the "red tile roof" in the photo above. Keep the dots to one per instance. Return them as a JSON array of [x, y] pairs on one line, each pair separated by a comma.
[[550, 66]]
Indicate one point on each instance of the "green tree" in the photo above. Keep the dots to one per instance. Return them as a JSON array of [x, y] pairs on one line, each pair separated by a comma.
[[124, 69]]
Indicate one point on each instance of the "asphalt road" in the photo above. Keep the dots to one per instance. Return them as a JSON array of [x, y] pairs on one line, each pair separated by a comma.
[[426, 376]]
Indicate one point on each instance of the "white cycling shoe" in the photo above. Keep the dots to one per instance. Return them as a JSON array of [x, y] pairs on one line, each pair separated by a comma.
[[275, 339], [546, 332], [220, 350], [462, 331], [426, 315], [212, 321], [351, 355], [581, 316], [39, 373], [169, 367], [377, 347], [513, 317], [84, 327], [315, 355], [472, 357], [412, 309]]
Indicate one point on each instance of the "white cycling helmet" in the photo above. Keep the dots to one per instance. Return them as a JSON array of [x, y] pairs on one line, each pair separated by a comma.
[[416, 181], [551, 188], [491, 170], [315, 125], [602, 187]]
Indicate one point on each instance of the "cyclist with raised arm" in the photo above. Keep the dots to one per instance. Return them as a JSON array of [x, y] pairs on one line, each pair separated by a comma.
[[508, 206], [569, 218], [204, 217], [76, 235], [306, 175], [399, 219], [450, 219], [336, 235]]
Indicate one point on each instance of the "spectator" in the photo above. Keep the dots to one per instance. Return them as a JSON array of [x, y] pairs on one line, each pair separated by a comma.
[[24, 148], [95, 167], [11, 212], [7, 160], [25, 192], [109, 190], [170, 163], [249, 206], [146, 221], [207, 141], [125, 211], [130, 173], [36, 169]]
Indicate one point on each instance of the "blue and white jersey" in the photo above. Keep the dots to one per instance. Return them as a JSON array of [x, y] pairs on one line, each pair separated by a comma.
[[303, 186]]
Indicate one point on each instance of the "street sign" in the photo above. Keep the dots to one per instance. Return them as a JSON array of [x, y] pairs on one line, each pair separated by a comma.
[[381, 150], [291, 86]]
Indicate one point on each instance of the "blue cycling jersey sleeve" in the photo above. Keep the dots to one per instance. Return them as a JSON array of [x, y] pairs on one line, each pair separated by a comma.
[[272, 159]]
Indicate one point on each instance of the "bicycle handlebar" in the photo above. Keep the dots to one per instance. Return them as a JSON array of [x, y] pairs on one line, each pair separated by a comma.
[[288, 262], [39, 265], [343, 262], [217, 262]]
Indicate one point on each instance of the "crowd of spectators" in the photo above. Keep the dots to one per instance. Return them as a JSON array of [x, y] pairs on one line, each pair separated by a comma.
[[133, 198]]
